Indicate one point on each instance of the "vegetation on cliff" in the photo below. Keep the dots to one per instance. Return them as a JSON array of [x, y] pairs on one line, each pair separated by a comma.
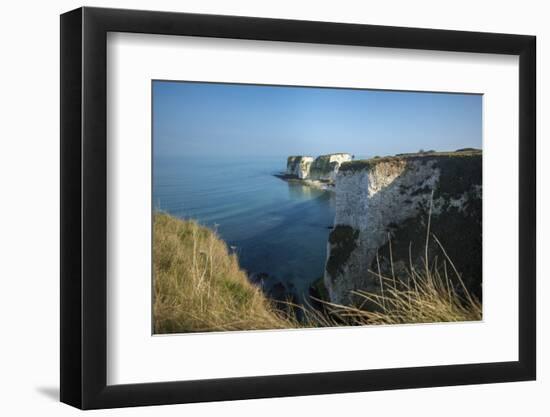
[[432, 293], [361, 164], [199, 286], [343, 241]]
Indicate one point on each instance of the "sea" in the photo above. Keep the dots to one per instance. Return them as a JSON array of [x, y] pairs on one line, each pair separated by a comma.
[[275, 227]]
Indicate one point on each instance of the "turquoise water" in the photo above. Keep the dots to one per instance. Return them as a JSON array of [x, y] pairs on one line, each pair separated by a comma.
[[274, 226]]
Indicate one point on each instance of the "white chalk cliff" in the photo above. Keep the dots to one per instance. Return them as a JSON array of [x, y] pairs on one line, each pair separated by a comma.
[[385, 199], [298, 166], [323, 168]]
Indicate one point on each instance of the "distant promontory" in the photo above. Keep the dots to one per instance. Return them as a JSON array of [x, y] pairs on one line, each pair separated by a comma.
[[320, 171]]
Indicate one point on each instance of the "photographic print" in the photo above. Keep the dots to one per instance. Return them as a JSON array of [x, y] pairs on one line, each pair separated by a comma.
[[288, 207]]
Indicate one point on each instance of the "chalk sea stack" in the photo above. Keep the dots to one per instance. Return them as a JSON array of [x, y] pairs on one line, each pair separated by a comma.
[[322, 169]]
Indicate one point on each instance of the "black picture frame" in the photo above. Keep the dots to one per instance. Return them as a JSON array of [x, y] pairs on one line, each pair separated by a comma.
[[84, 207]]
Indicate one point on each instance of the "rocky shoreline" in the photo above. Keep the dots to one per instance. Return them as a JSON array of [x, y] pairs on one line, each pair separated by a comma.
[[321, 185]]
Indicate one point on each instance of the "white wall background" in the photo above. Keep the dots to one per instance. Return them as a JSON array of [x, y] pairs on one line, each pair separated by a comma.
[[29, 208]]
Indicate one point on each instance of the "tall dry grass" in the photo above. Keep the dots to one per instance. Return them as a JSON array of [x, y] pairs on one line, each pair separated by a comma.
[[199, 286], [434, 292], [427, 295]]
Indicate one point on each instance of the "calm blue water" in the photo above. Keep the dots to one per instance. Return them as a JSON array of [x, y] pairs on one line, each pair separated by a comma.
[[276, 227]]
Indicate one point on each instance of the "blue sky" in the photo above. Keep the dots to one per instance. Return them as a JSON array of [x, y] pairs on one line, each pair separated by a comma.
[[199, 119]]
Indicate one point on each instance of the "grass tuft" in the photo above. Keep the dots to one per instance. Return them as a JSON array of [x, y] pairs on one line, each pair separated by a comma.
[[433, 293], [199, 286], [425, 297]]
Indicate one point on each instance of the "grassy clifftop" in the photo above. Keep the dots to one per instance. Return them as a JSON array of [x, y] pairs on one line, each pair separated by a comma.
[[199, 286], [365, 164]]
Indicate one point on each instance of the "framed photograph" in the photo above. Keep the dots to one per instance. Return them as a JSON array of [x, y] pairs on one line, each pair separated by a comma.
[[257, 208]]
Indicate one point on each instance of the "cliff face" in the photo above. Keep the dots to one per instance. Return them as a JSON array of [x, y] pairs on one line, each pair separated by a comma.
[[325, 167], [385, 200], [298, 166]]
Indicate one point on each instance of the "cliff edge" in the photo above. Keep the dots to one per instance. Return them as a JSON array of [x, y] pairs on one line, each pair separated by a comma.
[[387, 200]]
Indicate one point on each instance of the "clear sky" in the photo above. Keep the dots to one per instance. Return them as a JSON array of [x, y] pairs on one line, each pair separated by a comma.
[[199, 119]]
